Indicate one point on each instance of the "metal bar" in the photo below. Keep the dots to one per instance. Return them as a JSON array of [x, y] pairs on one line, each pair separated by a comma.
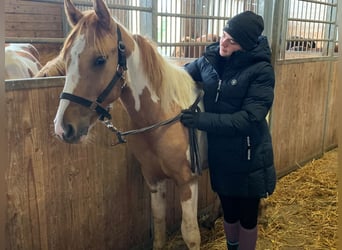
[[49, 1], [183, 43], [266, 10], [309, 20], [191, 16], [319, 2], [284, 27], [276, 30], [306, 39], [4, 139], [154, 12], [90, 4]]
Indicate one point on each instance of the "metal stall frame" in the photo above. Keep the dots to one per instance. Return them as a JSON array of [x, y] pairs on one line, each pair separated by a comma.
[[152, 8], [3, 133]]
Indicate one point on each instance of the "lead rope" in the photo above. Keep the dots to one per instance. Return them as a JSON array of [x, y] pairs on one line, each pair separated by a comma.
[[193, 142], [120, 135], [194, 148]]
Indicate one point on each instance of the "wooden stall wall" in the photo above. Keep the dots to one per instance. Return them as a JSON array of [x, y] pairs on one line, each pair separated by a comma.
[[304, 118], [71, 197], [26, 18], [29, 19], [331, 130]]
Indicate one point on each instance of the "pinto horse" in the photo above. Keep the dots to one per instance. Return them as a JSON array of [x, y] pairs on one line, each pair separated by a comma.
[[104, 62], [21, 61], [54, 67], [194, 50]]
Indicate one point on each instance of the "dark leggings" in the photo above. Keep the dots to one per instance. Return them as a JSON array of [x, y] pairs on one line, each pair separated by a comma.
[[240, 209]]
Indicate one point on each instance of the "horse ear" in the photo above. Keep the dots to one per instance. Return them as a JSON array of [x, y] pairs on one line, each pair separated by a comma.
[[73, 14], [103, 13]]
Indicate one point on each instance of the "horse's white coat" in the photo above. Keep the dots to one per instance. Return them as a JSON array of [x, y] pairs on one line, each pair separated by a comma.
[[71, 82], [189, 225], [138, 81], [158, 204], [19, 66]]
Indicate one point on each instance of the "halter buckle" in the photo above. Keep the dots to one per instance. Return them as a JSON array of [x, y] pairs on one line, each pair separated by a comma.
[[117, 132], [93, 106]]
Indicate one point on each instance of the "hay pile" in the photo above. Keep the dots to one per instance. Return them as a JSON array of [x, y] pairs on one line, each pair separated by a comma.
[[301, 214]]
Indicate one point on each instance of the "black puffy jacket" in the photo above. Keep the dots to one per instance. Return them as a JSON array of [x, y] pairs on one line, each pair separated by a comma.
[[239, 92]]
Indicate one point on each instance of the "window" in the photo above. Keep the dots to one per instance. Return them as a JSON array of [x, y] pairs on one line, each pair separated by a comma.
[[311, 29]]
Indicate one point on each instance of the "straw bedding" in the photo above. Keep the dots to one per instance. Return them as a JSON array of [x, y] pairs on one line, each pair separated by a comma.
[[301, 214]]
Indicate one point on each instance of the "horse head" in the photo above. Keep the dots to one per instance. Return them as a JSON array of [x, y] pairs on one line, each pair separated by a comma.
[[94, 55]]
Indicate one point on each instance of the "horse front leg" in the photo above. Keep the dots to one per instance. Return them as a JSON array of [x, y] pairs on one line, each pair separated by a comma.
[[189, 228], [158, 204]]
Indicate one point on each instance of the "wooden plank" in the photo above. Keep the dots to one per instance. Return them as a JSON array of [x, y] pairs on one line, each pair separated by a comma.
[[33, 33], [34, 83], [34, 26], [32, 18], [298, 113], [32, 8], [331, 130]]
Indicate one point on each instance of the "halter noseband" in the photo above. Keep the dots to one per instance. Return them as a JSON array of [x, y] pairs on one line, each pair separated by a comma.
[[96, 105]]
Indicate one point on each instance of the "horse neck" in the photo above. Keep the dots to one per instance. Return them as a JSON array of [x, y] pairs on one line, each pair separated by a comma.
[[140, 101], [156, 89]]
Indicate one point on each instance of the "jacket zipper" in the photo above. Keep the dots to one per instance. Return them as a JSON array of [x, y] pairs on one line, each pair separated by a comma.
[[218, 90], [248, 148]]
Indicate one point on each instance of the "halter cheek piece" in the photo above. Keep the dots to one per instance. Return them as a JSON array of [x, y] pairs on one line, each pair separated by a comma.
[[96, 105]]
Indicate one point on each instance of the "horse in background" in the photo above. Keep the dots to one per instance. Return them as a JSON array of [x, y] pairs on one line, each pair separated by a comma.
[[54, 67], [21, 61], [104, 62], [296, 43], [193, 47]]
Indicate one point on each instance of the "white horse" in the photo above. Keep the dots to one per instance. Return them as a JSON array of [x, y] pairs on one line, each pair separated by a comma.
[[21, 61]]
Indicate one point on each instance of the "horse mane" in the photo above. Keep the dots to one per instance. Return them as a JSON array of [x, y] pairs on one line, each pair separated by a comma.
[[172, 84], [89, 23], [54, 67]]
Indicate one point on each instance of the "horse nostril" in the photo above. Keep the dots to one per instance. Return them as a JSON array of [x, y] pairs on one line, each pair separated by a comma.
[[69, 131], [83, 131]]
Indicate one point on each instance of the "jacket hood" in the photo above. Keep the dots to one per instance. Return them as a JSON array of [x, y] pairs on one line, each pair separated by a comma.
[[239, 59]]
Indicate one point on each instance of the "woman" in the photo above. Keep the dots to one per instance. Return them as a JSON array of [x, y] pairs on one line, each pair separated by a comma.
[[238, 81]]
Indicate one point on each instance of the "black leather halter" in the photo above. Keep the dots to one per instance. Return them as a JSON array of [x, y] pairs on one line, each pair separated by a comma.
[[96, 105]]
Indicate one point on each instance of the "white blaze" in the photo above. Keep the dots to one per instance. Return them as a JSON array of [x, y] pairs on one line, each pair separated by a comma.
[[71, 81], [138, 80]]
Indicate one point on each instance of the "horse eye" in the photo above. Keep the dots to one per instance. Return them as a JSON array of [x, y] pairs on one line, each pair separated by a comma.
[[100, 60]]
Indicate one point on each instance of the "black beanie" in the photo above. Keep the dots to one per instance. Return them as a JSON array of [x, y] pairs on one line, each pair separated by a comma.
[[245, 28]]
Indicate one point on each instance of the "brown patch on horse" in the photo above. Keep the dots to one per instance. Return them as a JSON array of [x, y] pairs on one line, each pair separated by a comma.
[[148, 51], [171, 83]]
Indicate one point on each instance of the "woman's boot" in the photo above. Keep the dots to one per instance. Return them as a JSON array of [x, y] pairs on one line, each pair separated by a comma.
[[248, 238], [232, 234]]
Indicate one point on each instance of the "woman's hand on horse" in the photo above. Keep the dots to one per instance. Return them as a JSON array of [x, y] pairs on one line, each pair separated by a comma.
[[190, 118]]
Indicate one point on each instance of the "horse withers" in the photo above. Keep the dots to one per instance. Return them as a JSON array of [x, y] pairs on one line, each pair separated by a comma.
[[54, 67], [104, 62]]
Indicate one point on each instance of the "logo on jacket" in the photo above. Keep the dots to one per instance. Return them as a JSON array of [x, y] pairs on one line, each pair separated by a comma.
[[233, 82]]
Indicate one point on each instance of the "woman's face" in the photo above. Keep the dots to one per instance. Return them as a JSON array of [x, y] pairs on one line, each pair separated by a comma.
[[228, 45]]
